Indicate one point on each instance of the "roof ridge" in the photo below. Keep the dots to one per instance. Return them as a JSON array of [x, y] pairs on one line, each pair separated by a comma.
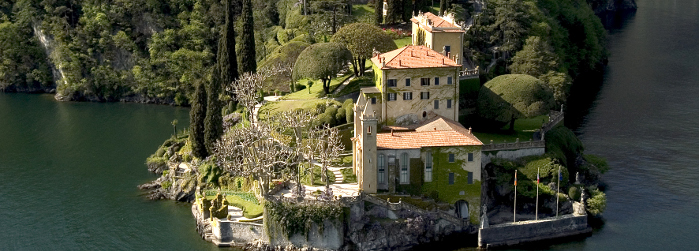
[[398, 53]]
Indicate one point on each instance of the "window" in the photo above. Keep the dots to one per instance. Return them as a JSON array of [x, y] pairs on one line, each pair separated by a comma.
[[448, 103], [436, 104], [382, 169], [451, 158], [424, 81], [470, 178], [425, 95], [450, 81], [392, 82], [451, 178], [470, 157], [368, 130], [447, 48], [407, 82], [428, 167], [373, 101], [404, 178], [436, 81], [407, 96], [391, 97]]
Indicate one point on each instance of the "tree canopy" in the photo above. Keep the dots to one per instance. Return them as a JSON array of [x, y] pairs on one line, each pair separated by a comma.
[[322, 61], [361, 39], [511, 96], [536, 58]]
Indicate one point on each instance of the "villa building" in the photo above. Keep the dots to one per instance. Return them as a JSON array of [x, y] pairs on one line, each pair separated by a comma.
[[407, 139], [441, 34]]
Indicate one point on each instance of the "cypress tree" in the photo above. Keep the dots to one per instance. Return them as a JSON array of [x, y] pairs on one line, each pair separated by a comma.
[[213, 124], [196, 120], [247, 50], [227, 61], [442, 6], [394, 14], [378, 12]]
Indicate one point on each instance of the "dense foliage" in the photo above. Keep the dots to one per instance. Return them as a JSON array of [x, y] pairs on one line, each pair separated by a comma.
[[552, 40], [196, 122], [511, 96], [322, 61], [299, 218], [362, 39]]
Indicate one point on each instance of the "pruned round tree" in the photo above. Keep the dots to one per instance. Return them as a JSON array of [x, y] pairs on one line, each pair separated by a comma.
[[322, 61], [361, 39], [508, 97], [280, 65]]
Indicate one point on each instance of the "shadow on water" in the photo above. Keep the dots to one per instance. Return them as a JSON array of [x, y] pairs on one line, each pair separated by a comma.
[[587, 86]]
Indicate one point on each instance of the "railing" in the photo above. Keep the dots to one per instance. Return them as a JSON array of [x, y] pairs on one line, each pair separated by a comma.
[[468, 73], [555, 117], [514, 146], [407, 206]]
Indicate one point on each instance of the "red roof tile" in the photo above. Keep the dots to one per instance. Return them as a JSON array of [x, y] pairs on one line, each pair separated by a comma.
[[413, 56], [438, 22], [438, 131]]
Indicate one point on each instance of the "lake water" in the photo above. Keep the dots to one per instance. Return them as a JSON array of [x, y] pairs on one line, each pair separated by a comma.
[[69, 171], [68, 177]]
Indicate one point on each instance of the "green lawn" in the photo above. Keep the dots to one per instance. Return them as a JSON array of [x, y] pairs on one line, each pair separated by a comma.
[[349, 176], [272, 108], [363, 13], [306, 180], [524, 130], [316, 90], [403, 41], [357, 83], [345, 161], [250, 209]]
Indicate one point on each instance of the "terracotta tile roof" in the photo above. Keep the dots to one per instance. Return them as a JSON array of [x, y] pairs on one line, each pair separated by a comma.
[[413, 56], [438, 22], [438, 131]]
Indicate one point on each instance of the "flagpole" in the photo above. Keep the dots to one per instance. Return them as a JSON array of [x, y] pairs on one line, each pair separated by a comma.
[[514, 218], [558, 189], [536, 216]]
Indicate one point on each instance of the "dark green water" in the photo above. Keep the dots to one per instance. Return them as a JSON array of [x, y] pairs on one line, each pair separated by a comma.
[[68, 177]]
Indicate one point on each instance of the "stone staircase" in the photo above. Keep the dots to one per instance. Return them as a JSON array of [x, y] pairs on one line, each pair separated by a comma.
[[337, 171]]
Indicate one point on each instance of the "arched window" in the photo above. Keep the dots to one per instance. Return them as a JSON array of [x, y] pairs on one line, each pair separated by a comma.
[[404, 162], [382, 169]]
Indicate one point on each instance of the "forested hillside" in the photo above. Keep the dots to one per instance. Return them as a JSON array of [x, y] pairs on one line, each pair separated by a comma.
[[156, 50]]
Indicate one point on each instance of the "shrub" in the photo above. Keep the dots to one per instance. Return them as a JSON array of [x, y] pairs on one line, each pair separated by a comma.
[[574, 193], [166, 184], [340, 116], [160, 152], [349, 112], [598, 162], [562, 144], [597, 202], [513, 95]]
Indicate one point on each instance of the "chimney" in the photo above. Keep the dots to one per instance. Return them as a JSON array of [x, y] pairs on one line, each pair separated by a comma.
[[391, 131], [411, 53], [469, 130], [442, 60], [449, 54], [400, 62]]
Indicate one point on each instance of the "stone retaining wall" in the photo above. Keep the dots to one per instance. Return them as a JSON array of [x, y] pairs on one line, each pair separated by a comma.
[[236, 232], [529, 231], [487, 156]]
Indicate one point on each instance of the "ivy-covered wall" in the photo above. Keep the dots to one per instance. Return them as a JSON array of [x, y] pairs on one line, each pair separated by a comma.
[[460, 190]]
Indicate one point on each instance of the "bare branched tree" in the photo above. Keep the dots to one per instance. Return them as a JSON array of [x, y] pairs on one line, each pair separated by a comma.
[[252, 151], [246, 89], [299, 121], [326, 145]]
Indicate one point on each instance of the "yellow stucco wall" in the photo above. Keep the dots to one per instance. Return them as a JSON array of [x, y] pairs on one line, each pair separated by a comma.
[[452, 39], [442, 92]]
